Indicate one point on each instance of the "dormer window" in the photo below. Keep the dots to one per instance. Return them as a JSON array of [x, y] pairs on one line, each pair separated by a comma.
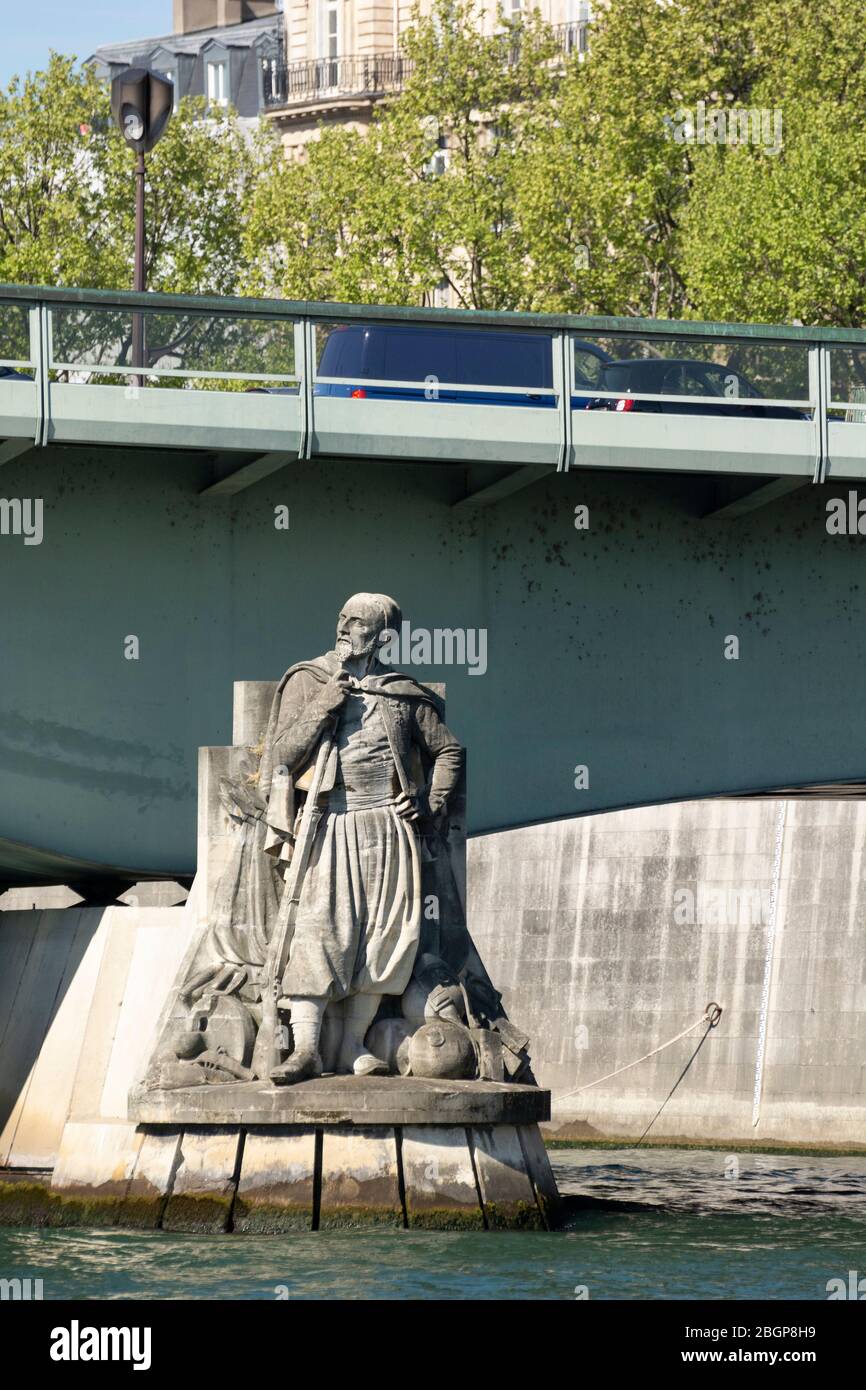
[[218, 82]]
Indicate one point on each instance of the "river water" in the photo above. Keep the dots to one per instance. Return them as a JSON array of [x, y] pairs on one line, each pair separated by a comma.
[[643, 1224]]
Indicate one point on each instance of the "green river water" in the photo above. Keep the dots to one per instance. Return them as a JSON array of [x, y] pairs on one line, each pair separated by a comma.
[[658, 1224]]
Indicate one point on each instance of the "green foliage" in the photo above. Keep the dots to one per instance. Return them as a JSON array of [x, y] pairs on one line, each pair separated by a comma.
[[728, 231], [367, 217], [515, 176], [67, 189], [583, 166], [783, 238]]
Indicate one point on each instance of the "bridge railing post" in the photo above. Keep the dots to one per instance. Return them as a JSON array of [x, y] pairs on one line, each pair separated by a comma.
[[305, 367], [43, 372], [819, 393], [563, 377], [35, 318]]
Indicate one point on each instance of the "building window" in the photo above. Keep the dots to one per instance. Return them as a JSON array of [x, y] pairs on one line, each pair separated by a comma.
[[329, 29], [329, 43], [218, 83], [273, 86]]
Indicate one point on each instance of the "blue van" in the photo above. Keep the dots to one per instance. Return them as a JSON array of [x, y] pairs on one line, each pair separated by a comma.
[[468, 359]]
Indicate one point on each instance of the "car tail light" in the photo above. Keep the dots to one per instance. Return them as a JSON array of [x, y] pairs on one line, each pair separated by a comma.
[[626, 404], [359, 394]]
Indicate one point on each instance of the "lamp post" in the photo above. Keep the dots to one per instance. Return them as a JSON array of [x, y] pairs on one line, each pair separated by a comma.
[[141, 104]]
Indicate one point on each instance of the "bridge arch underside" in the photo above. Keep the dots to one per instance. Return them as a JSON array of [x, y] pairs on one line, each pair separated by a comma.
[[608, 648]]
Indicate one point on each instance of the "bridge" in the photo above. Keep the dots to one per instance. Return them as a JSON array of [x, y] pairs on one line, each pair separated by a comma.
[[79, 348], [607, 556]]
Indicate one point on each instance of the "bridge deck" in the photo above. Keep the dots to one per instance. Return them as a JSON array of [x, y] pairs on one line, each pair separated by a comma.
[[100, 368]]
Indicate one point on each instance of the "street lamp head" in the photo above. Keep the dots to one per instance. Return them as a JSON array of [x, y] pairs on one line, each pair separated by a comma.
[[141, 104]]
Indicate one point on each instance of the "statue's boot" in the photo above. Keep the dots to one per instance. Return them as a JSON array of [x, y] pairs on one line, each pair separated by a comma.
[[305, 1062], [358, 1013], [303, 1065]]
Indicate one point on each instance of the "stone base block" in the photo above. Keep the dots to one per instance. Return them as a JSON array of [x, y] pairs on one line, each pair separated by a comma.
[[440, 1180], [506, 1187], [360, 1178], [277, 1186], [204, 1187], [278, 1178], [152, 1179], [540, 1175]]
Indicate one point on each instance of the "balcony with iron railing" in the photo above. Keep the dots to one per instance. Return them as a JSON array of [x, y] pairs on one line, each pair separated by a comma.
[[366, 76]]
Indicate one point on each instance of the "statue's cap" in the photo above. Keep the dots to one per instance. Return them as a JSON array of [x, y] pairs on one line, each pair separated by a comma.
[[390, 609]]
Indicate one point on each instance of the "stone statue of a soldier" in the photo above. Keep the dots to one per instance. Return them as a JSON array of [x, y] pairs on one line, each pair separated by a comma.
[[358, 919]]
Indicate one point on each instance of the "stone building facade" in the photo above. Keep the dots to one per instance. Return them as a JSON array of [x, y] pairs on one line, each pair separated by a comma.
[[303, 64], [340, 58]]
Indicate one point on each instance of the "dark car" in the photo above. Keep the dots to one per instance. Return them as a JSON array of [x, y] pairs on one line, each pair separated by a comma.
[[9, 374], [590, 362], [466, 359], [682, 377]]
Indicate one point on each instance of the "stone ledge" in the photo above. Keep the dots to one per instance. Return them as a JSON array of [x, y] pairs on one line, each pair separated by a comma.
[[330, 1100]]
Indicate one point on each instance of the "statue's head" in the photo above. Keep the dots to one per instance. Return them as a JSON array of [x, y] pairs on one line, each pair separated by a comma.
[[364, 625]]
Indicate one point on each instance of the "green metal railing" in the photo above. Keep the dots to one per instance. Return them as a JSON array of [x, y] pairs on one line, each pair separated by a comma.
[[87, 337]]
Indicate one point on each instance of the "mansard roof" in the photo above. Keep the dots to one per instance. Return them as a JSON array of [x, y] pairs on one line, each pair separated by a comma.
[[244, 35]]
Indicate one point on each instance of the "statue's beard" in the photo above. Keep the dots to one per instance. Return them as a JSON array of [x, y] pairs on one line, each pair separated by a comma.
[[349, 649]]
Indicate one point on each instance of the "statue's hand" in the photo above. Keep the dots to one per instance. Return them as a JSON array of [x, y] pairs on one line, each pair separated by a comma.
[[445, 1001], [405, 807], [334, 691], [434, 813]]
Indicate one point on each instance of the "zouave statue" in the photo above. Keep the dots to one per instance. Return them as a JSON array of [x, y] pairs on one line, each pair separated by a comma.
[[319, 955]]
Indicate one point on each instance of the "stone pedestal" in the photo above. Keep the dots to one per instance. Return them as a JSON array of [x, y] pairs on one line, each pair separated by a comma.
[[338, 1152]]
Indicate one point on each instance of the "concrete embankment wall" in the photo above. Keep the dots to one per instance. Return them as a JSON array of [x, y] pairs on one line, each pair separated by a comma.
[[609, 934], [80, 992]]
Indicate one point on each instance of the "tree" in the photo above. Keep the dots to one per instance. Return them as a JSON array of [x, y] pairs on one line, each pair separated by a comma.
[[516, 177], [427, 197], [568, 185], [781, 237], [66, 189], [607, 175]]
